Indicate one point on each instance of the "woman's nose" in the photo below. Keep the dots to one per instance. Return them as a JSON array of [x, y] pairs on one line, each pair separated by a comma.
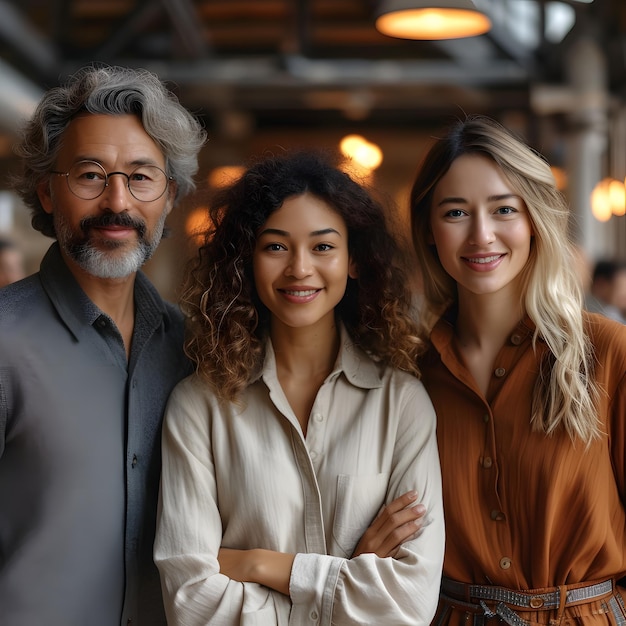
[[482, 231], [299, 264]]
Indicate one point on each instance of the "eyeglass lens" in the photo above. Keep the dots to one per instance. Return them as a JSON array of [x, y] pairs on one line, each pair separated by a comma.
[[88, 179]]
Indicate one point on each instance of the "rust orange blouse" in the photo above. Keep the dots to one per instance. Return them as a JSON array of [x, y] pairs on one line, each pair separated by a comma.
[[523, 510]]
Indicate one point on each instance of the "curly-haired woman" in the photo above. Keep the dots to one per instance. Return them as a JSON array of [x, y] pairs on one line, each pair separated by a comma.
[[300, 478]]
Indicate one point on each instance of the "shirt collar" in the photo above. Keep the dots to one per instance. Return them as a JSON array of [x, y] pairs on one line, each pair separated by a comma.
[[442, 333], [76, 309], [359, 369]]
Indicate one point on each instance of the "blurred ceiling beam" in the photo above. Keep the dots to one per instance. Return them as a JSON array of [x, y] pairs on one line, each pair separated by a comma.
[[298, 71], [18, 97], [17, 30]]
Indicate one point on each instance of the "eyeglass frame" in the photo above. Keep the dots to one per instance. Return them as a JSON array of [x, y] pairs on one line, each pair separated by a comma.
[[107, 175]]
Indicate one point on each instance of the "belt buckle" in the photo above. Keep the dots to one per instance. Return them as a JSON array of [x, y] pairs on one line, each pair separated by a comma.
[[536, 602]]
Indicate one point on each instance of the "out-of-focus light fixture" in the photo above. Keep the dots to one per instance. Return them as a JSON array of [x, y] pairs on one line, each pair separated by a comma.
[[364, 153], [560, 177], [430, 19], [224, 175], [197, 224], [600, 201], [617, 197]]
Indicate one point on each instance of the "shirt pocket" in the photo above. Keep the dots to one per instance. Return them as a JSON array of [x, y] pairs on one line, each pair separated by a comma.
[[359, 498]]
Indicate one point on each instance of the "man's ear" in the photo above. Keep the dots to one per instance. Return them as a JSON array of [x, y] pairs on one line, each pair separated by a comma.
[[352, 269], [43, 193]]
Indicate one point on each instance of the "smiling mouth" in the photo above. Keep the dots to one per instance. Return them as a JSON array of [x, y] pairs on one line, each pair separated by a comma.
[[484, 259], [300, 294]]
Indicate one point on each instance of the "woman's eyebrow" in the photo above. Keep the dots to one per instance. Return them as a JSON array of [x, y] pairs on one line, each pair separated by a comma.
[[284, 233], [495, 198]]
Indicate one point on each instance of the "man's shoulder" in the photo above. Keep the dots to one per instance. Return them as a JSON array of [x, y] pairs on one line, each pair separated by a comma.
[[20, 297]]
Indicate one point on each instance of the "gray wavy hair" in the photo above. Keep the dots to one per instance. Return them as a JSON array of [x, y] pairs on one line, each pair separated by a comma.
[[110, 91]]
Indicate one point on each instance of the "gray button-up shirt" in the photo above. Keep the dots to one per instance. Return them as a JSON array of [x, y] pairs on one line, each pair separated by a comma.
[[80, 452]]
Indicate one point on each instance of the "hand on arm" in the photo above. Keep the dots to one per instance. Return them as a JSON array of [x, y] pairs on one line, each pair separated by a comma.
[[394, 524], [265, 567]]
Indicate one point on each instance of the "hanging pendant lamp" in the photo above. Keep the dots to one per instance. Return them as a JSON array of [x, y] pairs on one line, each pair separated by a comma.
[[430, 19]]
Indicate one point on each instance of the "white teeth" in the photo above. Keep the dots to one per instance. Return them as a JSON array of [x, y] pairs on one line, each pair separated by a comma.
[[484, 259], [301, 294]]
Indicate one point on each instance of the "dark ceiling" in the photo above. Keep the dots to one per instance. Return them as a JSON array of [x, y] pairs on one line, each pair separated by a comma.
[[264, 63]]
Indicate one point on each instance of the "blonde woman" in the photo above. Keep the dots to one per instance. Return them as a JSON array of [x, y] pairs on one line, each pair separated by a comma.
[[529, 391]]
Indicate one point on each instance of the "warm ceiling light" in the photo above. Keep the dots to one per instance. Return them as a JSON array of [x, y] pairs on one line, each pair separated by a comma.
[[363, 152], [225, 175], [430, 19], [600, 201], [197, 224], [617, 197]]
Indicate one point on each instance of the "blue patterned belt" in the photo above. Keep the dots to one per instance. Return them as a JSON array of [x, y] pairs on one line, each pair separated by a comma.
[[473, 598]]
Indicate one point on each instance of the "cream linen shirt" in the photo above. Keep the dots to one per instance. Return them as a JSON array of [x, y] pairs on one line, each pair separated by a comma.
[[245, 477]]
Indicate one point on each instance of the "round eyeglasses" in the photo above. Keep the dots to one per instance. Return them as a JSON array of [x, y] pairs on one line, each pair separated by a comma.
[[88, 179]]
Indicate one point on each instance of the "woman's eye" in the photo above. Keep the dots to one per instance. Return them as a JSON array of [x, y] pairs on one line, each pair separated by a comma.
[[274, 247], [506, 210], [455, 213], [323, 247]]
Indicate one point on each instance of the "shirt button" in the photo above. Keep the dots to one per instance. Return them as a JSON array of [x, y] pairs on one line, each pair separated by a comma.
[[318, 417], [313, 615], [135, 461], [516, 340], [313, 455], [500, 372], [505, 562], [487, 462], [497, 516], [486, 417]]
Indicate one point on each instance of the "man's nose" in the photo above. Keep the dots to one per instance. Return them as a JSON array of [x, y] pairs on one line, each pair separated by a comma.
[[116, 193]]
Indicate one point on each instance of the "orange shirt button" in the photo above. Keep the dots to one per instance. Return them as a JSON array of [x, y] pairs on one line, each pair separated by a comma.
[[516, 340], [497, 516], [487, 462], [486, 417], [500, 372], [505, 562]]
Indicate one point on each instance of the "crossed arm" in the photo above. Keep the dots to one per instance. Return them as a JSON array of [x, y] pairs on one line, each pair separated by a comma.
[[394, 524]]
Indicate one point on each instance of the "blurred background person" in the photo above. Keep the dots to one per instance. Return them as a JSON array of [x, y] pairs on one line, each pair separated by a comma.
[[12, 264], [607, 293]]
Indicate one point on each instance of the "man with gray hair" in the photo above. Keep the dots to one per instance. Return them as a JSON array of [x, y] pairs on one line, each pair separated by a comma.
[[89, 353]]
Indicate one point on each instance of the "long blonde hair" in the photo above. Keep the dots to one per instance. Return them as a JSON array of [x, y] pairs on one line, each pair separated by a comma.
[[565, 392]]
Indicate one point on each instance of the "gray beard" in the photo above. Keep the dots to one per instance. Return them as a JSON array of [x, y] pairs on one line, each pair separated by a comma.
[[107, 263]]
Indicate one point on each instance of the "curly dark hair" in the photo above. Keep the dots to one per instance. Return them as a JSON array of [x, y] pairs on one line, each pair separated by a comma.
[[228, 324]]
